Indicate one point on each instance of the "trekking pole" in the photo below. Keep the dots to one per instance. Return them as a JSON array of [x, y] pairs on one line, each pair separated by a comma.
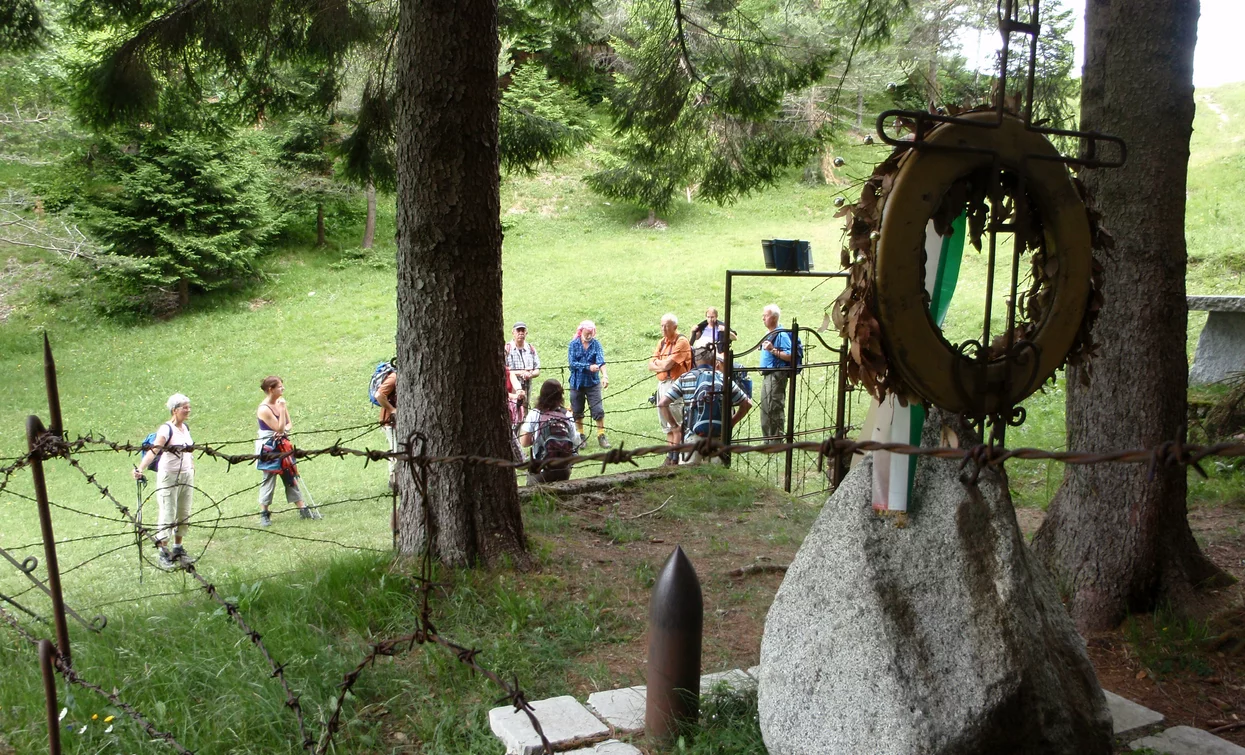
[[138, 525], [311, 502]]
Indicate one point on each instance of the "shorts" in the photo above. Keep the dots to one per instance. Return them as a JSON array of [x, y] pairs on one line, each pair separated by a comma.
[[676, 406], [592, 393]]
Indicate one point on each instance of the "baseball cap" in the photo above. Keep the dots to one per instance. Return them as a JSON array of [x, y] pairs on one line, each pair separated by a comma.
[[520, 325]]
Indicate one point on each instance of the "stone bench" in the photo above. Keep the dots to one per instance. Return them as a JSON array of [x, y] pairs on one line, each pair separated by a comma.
[[1221, 347]]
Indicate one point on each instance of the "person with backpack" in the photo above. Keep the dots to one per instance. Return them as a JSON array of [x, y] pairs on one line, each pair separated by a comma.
[[523, 361], [704, 404], [273, 416], [586, 359], [778, 356], [175, 479], [383, 392], [671, 359], [549, 430]]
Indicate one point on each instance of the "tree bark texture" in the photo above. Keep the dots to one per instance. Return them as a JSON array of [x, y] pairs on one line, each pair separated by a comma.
[[369, 225], [1115, 540], [450, 362]]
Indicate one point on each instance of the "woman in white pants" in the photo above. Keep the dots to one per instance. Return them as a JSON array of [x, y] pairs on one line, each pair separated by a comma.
[[175, 478]]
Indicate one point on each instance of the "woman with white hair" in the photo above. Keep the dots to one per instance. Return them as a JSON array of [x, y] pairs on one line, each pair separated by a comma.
[[175, 477], [586, 358]]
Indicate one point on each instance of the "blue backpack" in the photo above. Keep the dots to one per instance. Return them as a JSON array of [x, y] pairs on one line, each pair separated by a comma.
[[378, 376], [703, 413], [149, 444]]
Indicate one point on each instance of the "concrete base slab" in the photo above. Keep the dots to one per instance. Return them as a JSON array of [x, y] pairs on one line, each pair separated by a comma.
[[608, 747], [1221, 346], [1128, 716], [735, 680], [621, 708], [1185, 740], [754, 672], [564, 721]]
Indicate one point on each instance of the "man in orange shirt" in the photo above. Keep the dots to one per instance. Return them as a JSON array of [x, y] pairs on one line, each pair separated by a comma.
[[671, 358]]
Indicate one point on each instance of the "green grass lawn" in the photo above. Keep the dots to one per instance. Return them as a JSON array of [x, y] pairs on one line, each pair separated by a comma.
[[322, 322]]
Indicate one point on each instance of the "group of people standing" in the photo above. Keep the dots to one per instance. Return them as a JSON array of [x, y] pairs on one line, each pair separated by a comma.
[[175, 469], [688, 371]]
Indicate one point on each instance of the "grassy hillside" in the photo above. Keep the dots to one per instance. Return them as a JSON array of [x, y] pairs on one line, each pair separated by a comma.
[[321, 319]]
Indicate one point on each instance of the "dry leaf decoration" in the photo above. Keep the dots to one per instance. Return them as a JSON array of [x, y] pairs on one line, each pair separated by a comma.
[[854, 311]]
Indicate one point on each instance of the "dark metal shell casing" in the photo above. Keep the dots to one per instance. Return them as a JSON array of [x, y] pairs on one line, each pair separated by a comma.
[[676, 621]]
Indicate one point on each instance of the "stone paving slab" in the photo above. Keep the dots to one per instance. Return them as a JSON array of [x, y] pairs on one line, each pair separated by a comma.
[[1127, 716], [621, 708], [1185, 740], [754, 672], [564, 720], [608, 747], [736, 681]]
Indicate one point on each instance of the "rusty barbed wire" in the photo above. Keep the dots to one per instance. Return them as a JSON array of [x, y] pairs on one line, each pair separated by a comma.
[[1168, 453], [278, 669], [71, 676]]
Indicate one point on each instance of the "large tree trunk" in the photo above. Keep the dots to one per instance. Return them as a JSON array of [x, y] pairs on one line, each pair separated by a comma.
[[369, 226], [449, 283], [1115, 540]]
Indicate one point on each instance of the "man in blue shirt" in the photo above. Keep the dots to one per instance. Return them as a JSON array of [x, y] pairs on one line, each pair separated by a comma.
[[587, 362], [777, 354]]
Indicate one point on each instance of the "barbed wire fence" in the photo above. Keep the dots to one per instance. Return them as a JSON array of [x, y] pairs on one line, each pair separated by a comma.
[[46, 445]]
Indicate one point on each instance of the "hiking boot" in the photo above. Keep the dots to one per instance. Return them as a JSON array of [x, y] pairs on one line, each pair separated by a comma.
[[603, 441], [180, 557], [165, 561], [306, 512], [265, 519]]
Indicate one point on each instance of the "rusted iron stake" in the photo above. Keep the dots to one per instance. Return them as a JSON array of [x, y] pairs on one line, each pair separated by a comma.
[[676, 619], [54, 394], [34, 430], [49, 690]]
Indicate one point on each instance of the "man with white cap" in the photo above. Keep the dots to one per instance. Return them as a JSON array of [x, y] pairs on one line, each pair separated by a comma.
[[523, 361]]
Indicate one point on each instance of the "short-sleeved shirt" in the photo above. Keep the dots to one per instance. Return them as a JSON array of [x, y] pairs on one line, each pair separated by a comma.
[[681, 350], [579, 357], [175, 462], [525, 358], [782, 342], [535, 418], [685, 387]]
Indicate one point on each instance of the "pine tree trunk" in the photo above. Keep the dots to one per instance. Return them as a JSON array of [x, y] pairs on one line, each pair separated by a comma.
[[320, 237], [183, 293], [449, 283], [369, 226], [1115, 541]]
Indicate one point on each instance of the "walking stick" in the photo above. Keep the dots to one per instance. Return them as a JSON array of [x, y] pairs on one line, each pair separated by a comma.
[[138, 526], [311, 502]]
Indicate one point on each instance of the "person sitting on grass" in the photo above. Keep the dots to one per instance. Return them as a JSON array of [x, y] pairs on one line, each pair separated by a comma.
[[549, 431], [701, 392], [175, 479]]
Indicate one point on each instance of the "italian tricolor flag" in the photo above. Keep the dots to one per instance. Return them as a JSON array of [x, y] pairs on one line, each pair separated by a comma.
[[891, 422]]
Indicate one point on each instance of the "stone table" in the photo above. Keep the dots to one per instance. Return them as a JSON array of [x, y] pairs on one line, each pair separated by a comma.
[[1221, 347]]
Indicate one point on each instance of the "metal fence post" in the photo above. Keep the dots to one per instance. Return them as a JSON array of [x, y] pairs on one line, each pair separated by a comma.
[[46, 652], [34, 431], [794, 332], [54, 394]]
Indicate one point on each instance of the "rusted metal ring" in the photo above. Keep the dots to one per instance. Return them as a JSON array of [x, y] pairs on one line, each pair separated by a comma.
[[915, 347]]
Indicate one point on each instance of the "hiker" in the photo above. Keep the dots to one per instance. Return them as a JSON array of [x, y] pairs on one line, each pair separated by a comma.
[[274, 428], [671, 359], [549, 431], [516, 399], [776, 357], [712, 331], [175, 479], [386, 397], [587, 362], [701, 391], [523, 361]]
